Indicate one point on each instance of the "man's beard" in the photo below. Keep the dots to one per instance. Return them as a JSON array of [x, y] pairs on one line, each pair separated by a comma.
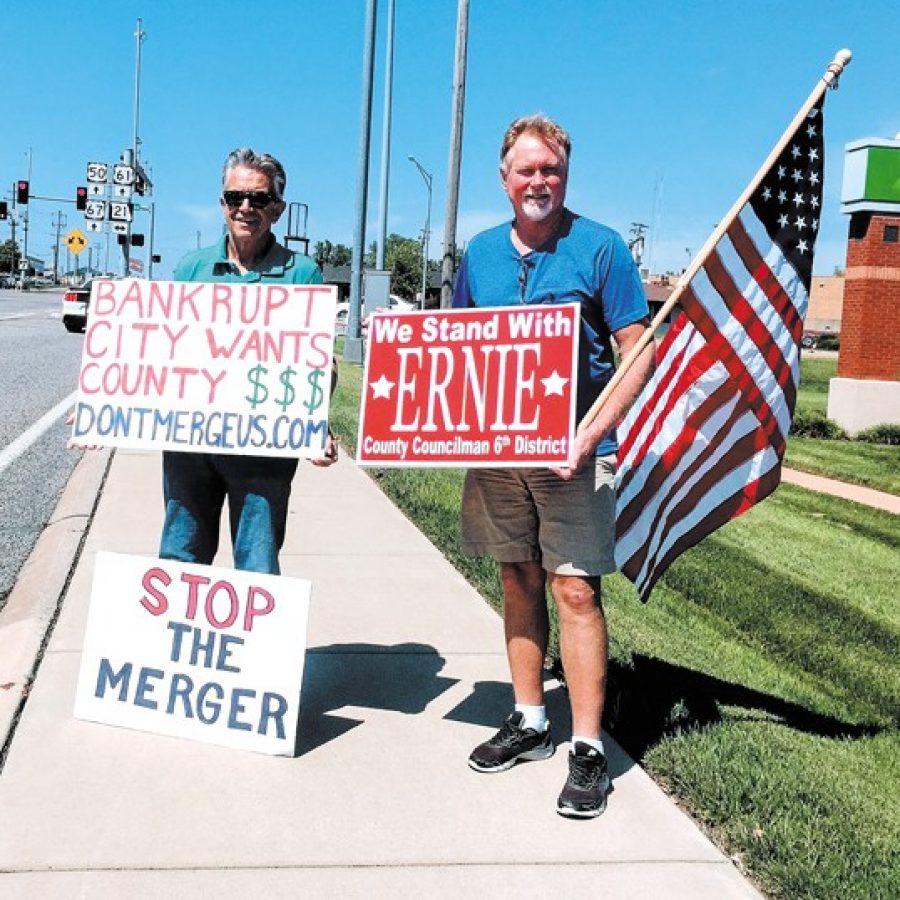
[[537, 209]]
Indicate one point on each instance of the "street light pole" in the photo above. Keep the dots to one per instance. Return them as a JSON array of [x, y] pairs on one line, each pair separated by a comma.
[[426, 234]]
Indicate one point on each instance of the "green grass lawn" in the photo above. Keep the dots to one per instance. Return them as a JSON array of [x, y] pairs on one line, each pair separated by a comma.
[[873, 465], [760, 682]]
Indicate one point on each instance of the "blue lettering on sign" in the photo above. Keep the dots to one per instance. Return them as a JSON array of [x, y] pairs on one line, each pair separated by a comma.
[[184, 698]]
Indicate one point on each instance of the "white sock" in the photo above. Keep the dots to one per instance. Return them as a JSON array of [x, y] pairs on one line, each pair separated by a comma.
[[596, 743], [534, 717]]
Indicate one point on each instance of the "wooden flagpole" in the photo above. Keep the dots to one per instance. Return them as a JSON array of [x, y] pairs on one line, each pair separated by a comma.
[[829, 79]]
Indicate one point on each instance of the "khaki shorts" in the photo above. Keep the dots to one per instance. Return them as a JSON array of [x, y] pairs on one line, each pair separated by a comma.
[[525, 515]]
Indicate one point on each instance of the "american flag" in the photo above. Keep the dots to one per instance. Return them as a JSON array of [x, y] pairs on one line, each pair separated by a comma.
[[704, 441]]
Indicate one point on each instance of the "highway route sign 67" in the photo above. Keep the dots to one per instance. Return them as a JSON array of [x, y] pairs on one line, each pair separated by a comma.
[[95, 209]]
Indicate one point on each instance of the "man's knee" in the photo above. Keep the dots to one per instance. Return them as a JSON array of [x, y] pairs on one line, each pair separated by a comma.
[[576, 595]]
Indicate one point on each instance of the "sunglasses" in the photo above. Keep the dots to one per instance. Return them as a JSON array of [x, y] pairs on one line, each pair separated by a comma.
[[258, 199]]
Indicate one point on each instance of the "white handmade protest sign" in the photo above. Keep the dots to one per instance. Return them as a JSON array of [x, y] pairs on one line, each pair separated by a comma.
[[193, 651], [226, 367]]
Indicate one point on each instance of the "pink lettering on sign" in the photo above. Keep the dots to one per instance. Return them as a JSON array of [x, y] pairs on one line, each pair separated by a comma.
[[220, 603]]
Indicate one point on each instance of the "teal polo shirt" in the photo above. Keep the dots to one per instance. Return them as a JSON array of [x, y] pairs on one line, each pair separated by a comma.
[[279, 264]]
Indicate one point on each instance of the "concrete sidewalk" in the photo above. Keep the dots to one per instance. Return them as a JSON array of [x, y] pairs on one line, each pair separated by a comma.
[[405, 673]]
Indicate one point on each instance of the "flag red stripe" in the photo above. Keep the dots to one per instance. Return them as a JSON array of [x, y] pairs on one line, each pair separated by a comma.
[[766, 279], [729, 509], [755, 328], [743, 380], [743, 449]]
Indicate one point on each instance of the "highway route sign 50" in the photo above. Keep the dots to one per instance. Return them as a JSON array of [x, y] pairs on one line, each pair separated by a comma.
[[97, 171]]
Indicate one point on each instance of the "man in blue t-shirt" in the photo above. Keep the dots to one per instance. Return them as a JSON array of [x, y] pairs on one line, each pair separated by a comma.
[[555, 527], [195, 485]]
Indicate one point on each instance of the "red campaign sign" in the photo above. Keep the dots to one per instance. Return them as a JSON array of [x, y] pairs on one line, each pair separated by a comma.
[[470, 387]]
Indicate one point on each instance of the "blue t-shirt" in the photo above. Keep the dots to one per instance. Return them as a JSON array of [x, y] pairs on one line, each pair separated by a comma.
[[584, 262]]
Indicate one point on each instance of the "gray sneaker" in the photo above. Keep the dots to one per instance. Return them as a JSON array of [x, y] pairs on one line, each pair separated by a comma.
[[585, 790], [511, 744]]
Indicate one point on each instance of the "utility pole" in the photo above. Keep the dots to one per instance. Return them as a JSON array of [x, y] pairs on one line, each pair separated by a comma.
[[459, 100], [353, 349], [386, 136], [139, 37], [58, 224]]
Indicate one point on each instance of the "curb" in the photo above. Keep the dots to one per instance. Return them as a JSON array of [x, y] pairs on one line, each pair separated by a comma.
[[33, 605]]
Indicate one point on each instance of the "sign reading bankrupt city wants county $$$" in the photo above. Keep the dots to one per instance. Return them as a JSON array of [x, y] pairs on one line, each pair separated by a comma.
[[470, 387], [193, 651], [236, 367]]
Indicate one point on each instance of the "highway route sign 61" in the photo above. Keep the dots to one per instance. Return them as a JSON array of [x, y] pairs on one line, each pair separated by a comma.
[[123, 174]]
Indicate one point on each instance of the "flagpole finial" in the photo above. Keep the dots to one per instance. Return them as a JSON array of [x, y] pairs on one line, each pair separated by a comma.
[[836, 66]]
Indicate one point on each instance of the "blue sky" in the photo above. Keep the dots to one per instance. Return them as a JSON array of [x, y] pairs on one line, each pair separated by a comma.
[[672, 106]]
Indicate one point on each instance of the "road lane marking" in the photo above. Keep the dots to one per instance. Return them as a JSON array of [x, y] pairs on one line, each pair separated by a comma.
[[13, 451]]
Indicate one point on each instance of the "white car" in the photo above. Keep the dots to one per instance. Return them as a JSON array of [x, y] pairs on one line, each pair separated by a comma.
[[342, 311]]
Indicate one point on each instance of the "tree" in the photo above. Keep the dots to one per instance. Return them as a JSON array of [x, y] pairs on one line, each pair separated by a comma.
[[403, 256], [328, 254], [6, 255]]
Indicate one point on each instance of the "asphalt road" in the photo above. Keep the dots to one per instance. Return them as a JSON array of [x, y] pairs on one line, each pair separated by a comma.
[[39, 363]]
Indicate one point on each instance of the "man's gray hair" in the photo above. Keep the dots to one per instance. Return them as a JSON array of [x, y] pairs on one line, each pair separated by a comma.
[[542, 127], [245, 158]]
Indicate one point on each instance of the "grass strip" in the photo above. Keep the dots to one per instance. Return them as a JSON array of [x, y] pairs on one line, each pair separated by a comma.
[[759, 684]]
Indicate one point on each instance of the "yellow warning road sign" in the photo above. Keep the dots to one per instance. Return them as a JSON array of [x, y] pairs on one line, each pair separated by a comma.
[[76, 241]]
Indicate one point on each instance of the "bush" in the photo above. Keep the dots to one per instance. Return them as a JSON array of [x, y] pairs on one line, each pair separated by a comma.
[[814, 424], [829, 342], [881, 434]]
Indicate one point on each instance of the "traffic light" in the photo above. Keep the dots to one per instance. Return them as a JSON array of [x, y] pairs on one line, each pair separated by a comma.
[[81, 198], [22, 192], [4, 210], [156, 258], [137, 240]]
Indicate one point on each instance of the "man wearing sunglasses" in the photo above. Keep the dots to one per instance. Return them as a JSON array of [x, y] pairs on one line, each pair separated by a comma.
[[554, 527], [195, 485]]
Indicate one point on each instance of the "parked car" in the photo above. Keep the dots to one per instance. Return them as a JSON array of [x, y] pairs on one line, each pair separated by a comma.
[[75, 304], [397, 304]]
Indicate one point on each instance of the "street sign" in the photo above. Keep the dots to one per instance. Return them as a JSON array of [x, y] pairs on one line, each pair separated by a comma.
[[97, 172], [95, 209], [96, 189], [119, 211], [123, 190], [94, 225], [120, 227], [123, 174], [76, 241]]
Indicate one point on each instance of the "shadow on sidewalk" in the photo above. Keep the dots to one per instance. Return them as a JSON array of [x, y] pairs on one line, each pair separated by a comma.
[[652, 698], [394, 677]]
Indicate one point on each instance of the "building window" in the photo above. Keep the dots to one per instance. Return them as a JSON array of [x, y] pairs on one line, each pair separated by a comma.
[[891, 234]]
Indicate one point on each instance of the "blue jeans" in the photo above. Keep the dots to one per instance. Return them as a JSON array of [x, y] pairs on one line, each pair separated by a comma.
[[195, 486]]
